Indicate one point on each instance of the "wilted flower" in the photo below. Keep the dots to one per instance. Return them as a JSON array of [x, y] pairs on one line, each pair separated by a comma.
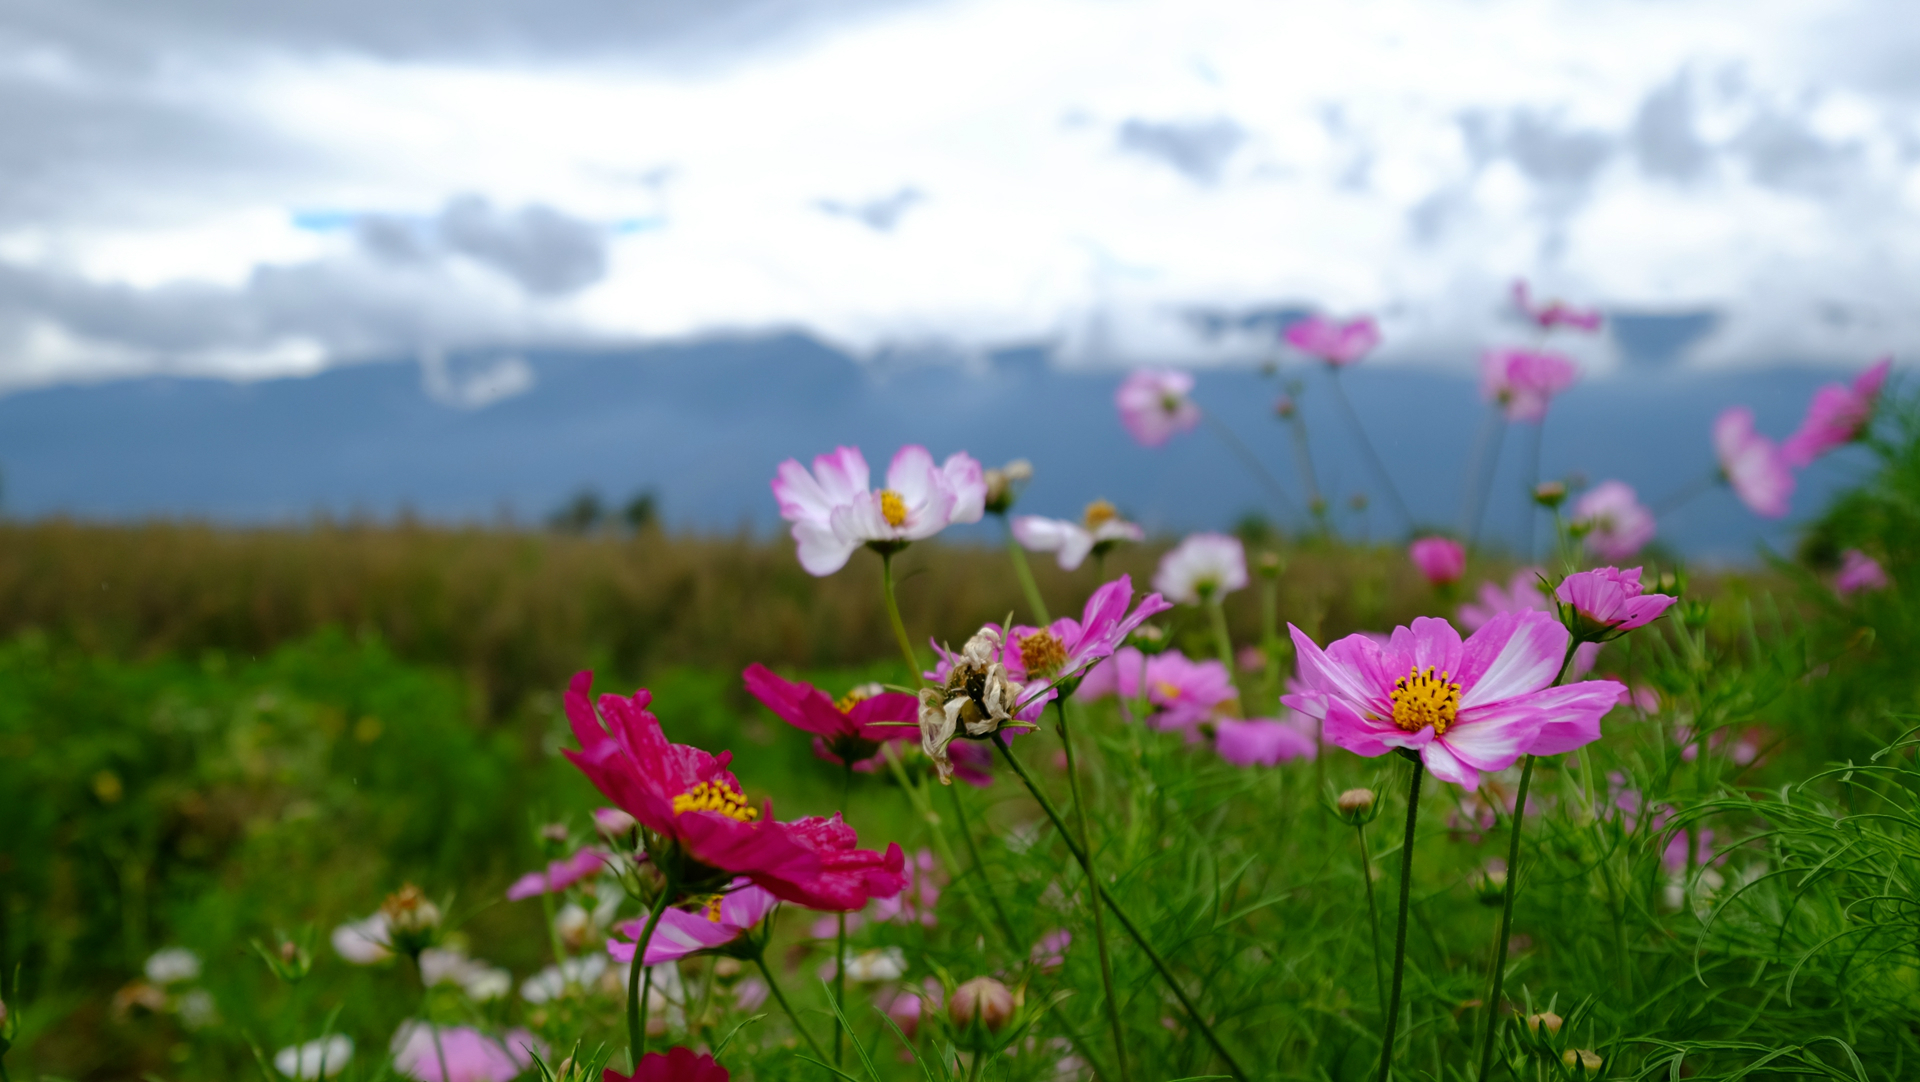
[[1100, 529], [1522, 382], [1837, 416], [1441, 560], [845, 731], [172, 966], [1858, 571], [1338, 344], [363, 942], [413, 922], [710, 924], [317, 1059], [1204, 567], [1607, 602], [1750, 462], [982, 1000], [1552, 313], [1003, 484], [1465, 707], [1617, 526], [834, 513], [1154, 405], [692, 805], [1263, 741], [471, 1056], [976, 698], [677, 1064], [559, 875]]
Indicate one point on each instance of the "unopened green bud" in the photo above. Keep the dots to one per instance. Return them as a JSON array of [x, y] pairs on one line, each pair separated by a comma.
[[1584, 1059], [1550, 494], [1355, 806], [1546, 1020]]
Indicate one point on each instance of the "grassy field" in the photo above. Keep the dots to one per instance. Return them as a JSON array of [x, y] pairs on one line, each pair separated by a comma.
[[215, 737]]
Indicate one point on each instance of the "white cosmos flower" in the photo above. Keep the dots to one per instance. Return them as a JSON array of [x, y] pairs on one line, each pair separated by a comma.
[[1206, 566], [173, 965], [833, 512], [363, 942], [1073, 541], [315, 1059]]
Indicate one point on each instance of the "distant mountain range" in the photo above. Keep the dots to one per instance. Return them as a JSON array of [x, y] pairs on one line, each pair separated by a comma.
[[703, 425]]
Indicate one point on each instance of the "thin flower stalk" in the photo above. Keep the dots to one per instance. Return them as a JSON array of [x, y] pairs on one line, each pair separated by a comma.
[[637, 997], [1392, 1021], [1133, 930], [1223, 643], [1099, 921], [1373, 915], [1024, 572], [1374, 463], [893, 615], [781, 997]]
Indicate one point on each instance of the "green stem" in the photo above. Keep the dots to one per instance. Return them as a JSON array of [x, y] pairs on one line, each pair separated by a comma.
[[1373, 917], [1133, 930], [1400, 932], [781, 998], [1506, 920], [893, 615], [1270, 640], [636, 1000], [1366, 448], [1099, 921], [840, 937], [553, 937], [1223, 642], [1024, 572]]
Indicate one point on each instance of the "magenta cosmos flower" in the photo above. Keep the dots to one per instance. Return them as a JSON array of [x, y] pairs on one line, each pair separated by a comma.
[[1752, 464], [1338, 344], [1527, 592], [676, 1064], [1181, 692], [471, 1056], [1858, 571], [1617, 525], [1099, 530], [1154, 405], [1034, 657], [1440, 559], [834, 513], [1204, 567], [701, 828], [1523, 381], [1837, 416], [559, 875], [712, 923], [844, 731], [1463, 707], [1607, 602], [1264, 741], [1551, 314]]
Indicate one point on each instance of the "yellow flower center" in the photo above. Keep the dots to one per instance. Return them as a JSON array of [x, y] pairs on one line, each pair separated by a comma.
[[892, 507], [713, 908], [1421, 699], [854, 698], [716, 796], [1168, 691], [1041, 653], [1099, 513]]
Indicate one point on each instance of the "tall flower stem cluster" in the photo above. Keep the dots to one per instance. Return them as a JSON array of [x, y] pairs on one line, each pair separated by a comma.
[[1093, 878]]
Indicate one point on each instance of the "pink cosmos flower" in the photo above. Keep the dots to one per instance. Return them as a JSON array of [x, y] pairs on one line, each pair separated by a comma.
[[918, 902], [1441, 559], [613, 823], [683, 932], [1154, 405], [1752, 464], [1464, 707], [1263, 741], [1051, 952], [1607, 602], [1858, 571], [1525, 593], [1182, 692], [834, 513], [1338, 344], [471, 1055], [676, 1064], [1523, 382], [1837, 416], [1100, 530], [844, 731], [1553, 314], [1618, 527], [1204, 567], [559, 875], [903, 1007], [692, 805]]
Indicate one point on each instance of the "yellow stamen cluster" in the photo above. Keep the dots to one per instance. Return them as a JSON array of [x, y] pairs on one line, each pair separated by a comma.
[[893, 508], [716, 796], [1421, 699], [1168, 691], [851, 699], [1099, 513], [713, 908], [1042, 653]]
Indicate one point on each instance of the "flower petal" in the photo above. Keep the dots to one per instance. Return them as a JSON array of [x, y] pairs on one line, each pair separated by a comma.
[[1513, 654]]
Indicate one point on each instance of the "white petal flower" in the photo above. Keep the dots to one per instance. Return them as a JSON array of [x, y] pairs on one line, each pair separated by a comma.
[[1206, 566], [173, 965], [315, 1059], [833, 512], [363, 942]]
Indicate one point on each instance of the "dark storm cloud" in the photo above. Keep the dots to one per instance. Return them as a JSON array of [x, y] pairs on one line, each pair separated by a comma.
[[1198, 148]]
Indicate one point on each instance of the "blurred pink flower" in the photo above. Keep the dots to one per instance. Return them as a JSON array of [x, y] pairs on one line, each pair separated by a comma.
[[749, 994], [1752, 464], [1553, 314], [1264, 741], [1338, 344], [1183, 692], [833, 512], [1858, 571], [1074, 541], [1744, 751], [683, 932], [1607, 601], [1837, 416], [1523, 382], [559, 875], [1205, 566], [677, 1064], [1526, 593], [918, 902], [471, 1056], [1441, 559], [613, 823], [1618, 527], [1643, 698], [1464, 707], [1051, 952], [1250, 659], [903, 1007], [1154, 405], [845, 731]]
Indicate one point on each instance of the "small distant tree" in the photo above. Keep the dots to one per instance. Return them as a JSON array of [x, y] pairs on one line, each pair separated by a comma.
[[642, 512], [584, 513]]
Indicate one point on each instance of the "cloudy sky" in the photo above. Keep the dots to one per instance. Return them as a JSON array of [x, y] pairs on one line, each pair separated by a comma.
[[256, 189]]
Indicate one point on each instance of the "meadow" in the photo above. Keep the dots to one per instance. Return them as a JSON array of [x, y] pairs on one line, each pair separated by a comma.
[[228, 751]]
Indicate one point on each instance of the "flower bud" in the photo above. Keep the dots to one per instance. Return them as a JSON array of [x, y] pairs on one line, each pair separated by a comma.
[[1490, 887], [1550, 494], [1269, 565], [413, 922], [1284, 407], [1583, 1059], [1001, 484], [1356, 806], [982, 1000], [554, 833], [1546, 1020], [613, 824]]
